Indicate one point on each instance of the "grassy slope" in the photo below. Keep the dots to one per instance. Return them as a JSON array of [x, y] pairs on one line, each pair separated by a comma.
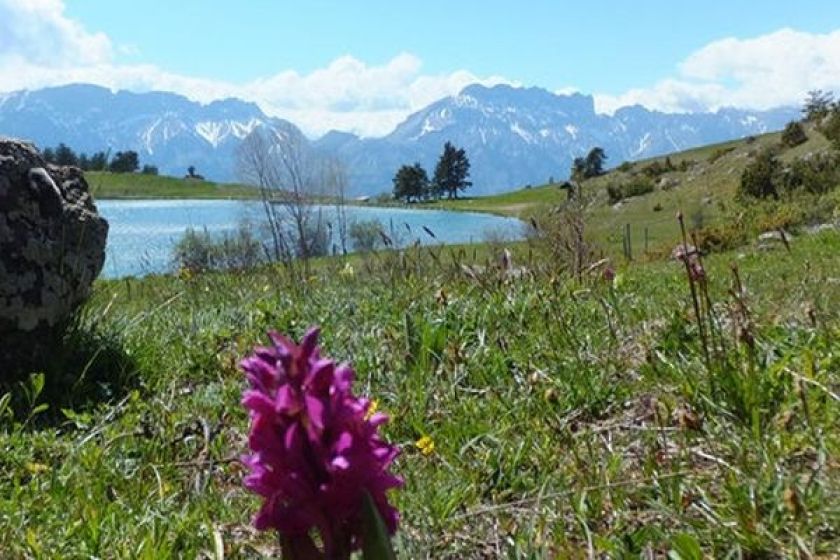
[[702, 193], [563, 415], [134, 185]]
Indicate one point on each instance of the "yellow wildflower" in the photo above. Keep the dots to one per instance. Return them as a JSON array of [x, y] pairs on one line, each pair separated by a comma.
[[426, 445], [347, 271], [36, 468]]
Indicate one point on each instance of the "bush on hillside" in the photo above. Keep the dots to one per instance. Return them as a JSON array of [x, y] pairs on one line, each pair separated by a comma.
[[816, 174], [830, 127], [636, 187], [793, 135], [719, 153], [760, 177], [657, 168]]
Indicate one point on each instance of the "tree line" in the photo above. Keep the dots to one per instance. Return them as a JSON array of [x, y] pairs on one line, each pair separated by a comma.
[[450, 177], [126, 161]]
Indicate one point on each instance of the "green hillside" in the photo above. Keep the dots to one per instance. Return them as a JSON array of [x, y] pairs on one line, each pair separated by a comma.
[[701, 183], [135, 185]]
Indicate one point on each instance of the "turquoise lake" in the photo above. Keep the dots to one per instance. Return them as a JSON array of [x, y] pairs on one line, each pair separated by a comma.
[[143, 232]]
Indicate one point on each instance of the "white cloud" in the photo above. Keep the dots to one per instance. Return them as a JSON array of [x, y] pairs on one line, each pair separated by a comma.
[[37, 31], [759, 73], [40, 46]]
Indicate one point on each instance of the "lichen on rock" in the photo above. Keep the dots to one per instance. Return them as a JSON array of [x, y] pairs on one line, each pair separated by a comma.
[[52, 248]]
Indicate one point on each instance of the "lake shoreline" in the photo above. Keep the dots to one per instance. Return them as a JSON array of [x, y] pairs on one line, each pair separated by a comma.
[[144, 231]]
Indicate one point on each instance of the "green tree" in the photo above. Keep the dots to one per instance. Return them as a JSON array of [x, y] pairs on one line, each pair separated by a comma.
[[149, 170], [49, 155], [818, 103], [451, 172], [411, 181], [64, 155], [590, 166], [125, 162], [579, 169], [595, 162], [99, 161]]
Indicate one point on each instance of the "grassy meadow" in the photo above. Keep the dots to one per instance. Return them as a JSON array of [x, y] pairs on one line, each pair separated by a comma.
[[104, 185], [570, 417], [628, 409]]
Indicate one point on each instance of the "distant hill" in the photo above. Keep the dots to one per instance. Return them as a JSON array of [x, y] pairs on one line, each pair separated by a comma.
[[513, 136]]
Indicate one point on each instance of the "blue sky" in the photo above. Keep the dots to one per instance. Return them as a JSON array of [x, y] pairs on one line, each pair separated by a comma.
[[606, 46], [365, 65]]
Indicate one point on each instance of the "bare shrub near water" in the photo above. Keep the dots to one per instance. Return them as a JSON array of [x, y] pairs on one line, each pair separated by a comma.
[[291, 176], [365, 235], [200, 251]]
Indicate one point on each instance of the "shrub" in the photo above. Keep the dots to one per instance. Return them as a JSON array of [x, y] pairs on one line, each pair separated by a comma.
[[793, 135], [626, 166], [685, 165], [655, 169], [719, 153], [635, 187], [194, 251], [366, 235], [830, 127], [760, 177], [199, 251], [720, 238], [238, 251], [816, 174]]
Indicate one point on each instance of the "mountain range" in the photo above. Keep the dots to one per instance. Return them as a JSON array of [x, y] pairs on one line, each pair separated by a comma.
[[512, 136]]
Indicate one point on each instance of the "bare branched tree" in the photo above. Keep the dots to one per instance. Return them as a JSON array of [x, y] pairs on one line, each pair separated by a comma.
[[288, 173], [335, 183]]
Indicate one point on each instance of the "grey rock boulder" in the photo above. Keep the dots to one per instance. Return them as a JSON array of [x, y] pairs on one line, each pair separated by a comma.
[[52, 248]]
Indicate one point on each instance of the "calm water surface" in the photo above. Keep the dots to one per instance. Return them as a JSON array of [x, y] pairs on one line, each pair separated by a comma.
[[143, 232]]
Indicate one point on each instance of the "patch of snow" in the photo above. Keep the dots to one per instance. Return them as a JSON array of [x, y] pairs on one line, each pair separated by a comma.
[[466, 101], [213, 132], [673, 142], [572, 130], [749, 120], [428, 127], [522, 133], [147, 136], [241, 130], [644, 144]]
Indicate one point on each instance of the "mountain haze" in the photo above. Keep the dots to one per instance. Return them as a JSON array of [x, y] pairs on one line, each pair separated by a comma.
[[513, 136]]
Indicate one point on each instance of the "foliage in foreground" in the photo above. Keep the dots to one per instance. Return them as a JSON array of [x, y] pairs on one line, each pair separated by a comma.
[[538, 414]]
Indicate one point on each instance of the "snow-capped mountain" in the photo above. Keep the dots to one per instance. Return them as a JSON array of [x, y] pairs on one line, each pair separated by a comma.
[[165, 129], [519, 136], [512, 136]]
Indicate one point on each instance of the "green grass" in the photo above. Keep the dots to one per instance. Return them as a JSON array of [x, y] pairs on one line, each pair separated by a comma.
[[515, 203], [569, 419], [106, 185]]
